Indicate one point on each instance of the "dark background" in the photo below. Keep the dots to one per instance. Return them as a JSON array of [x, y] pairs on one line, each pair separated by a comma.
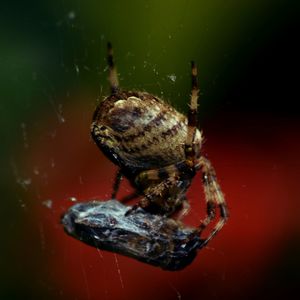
[[53, 72]]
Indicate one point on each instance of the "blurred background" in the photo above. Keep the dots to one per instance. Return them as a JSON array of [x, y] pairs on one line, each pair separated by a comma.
[[53, 73]]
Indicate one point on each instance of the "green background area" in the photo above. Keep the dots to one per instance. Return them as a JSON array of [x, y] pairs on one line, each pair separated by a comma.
[[51, 48]]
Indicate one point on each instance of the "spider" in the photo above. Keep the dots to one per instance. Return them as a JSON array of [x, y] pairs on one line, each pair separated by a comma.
[[157, 149]]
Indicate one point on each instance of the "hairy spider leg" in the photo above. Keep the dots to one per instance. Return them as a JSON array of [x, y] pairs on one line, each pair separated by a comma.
[[192, 150], [113, 75], [163, 180], [213, 194], [157, 194], [214, 198]]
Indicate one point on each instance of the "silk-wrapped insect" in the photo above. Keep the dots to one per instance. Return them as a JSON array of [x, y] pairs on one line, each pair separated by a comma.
[[150, 238]]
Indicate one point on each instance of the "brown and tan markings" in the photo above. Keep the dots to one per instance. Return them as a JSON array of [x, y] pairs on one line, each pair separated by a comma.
[[157, 149]]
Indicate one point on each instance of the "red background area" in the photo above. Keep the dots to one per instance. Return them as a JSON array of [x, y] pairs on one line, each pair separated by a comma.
[[256, 159]]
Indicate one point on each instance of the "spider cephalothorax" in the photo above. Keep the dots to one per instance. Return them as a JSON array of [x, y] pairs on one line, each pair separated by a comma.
[[156, 148]]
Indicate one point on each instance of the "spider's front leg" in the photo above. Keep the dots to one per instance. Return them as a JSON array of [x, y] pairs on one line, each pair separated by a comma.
[[214, 198], [213, 194]]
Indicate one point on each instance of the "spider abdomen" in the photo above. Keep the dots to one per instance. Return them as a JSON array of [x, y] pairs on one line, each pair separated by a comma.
[[143, 131]]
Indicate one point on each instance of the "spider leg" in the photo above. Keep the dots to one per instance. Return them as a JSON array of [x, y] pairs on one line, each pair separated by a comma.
[[191, 148], [113, 75], [166, 196], [213, 194], [162, 195], [165, 187], [116, 185], [214, 198]]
